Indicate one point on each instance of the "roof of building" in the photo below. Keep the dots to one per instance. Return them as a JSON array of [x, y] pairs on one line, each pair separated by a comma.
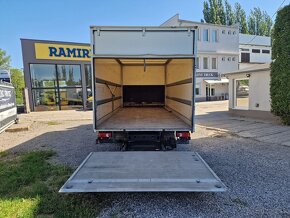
[[180, 21], [252, 69], [247, 39]]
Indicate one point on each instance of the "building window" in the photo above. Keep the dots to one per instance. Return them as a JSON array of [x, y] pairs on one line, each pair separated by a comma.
[[197, 89], [223, 32], [69, 75], [233, 59], [245, 57], [234, 32], [256, 50], [214, 63], [223, 58], [242, 93], [56, 87], [212, 92], [205, 63], [266, 51], [197, 63], [229, 32], [198, 34], [245, 49], [229, 58], [214, 36], [88, 75], [43, 75], [205, 35]]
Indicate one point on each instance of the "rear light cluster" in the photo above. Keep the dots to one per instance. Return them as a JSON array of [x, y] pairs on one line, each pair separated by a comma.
[[104, 135], [183, 135]]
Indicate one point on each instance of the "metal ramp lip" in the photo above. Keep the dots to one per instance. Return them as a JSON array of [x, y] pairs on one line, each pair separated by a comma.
[[82, 180]]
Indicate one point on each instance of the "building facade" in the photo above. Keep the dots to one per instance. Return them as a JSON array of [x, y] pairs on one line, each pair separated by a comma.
[[57, 74], [218, 53], [249, 92], [254, 50]]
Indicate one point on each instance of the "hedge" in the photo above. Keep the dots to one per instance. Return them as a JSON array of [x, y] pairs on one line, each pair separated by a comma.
[[280, 67]]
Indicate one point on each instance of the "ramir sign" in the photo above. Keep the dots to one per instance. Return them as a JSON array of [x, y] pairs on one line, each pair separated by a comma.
[[50, 51]]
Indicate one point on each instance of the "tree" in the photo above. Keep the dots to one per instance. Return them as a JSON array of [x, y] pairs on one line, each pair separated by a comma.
[[18, 83], [280, 67], [259, 23], [229, 14], [240, 18], [4, 59], [206, 12], [221, 12]]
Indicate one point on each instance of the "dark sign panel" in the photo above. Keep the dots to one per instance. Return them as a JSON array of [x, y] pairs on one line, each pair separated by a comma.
[[207, 74], [8, 110]]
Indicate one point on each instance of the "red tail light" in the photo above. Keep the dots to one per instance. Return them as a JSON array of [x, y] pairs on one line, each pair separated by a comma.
[[182, 134], [105, 135]]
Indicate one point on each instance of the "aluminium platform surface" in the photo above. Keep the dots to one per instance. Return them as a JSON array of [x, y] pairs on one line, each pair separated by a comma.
[[145, 118], [143, 171]]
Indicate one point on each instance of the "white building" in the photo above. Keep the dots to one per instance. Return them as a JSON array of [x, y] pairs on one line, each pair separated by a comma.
[[249, 92], [254, 50], [218, 53]]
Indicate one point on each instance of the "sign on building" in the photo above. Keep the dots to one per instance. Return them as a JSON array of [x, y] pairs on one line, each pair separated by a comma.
[[207, 74], [50, 51]]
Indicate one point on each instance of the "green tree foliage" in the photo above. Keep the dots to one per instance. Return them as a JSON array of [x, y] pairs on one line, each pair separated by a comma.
[[259, 23], [240, 18], [280, 67], [229, 14], [221, 12], [18, 82], [4, 59]]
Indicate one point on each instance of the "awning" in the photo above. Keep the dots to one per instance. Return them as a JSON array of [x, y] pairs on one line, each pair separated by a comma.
[[217, 81]]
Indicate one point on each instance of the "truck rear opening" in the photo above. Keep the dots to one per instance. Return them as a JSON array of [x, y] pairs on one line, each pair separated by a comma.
[[143, 95]]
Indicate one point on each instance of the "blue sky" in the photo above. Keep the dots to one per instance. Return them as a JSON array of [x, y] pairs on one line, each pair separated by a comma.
[[69, 20]]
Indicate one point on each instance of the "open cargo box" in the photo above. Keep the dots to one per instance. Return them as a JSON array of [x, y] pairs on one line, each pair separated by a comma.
[[143, 94], [144, 78]]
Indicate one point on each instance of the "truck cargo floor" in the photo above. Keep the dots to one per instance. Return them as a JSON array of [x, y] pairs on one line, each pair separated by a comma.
[[144, 118], [143, 172]]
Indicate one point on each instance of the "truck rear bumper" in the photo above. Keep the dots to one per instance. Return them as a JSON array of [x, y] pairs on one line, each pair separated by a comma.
[[143, 172]]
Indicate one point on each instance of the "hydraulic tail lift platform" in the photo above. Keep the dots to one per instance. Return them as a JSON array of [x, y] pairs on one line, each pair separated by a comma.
[[148, 171]]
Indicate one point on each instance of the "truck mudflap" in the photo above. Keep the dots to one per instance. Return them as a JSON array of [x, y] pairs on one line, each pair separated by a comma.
[[143, 172]]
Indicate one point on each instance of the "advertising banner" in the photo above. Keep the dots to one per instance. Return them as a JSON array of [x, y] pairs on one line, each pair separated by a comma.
[[8, 109]]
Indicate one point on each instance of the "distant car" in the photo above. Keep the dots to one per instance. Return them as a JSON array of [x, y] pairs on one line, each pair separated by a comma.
[[5, 75]]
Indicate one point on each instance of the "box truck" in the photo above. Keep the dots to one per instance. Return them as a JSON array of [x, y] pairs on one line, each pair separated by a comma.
[[143, 95]]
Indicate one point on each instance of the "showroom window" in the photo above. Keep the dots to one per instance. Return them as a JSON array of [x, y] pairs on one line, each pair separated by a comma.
[[242, 93], [56, 87], [69, 75], [43, 75]]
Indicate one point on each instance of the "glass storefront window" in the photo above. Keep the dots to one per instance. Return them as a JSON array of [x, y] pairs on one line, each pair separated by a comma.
[[71, 98], [88, 74], [69, 75], [242, 93], [43, 75], [45, 99]]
